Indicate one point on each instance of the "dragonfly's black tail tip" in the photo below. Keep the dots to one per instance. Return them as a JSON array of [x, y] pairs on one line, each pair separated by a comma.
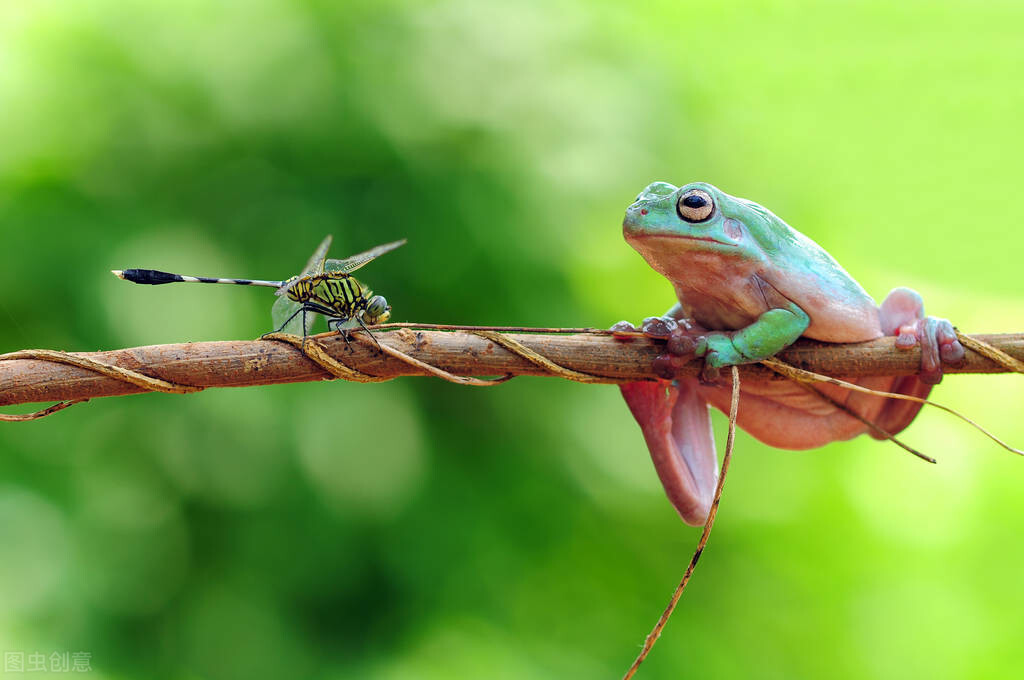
[[148, 276]]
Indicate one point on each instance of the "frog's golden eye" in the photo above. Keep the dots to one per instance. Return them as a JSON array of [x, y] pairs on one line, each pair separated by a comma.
[[695, 205]]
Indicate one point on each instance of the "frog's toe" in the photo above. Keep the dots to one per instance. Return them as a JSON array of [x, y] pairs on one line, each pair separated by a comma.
[[669, 365], [939, 345], [951, 352], [907, 337], [682, 343], [711, 373], [624, 327], [659, 326], [950, 349], [681, 337]]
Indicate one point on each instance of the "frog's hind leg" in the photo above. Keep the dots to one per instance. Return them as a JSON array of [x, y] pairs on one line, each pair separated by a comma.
[[677, 428], [902, 315]]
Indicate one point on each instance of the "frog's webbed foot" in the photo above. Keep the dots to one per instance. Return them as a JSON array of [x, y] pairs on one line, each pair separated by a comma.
[[660, 327], [677, 428], [902, 315], [682, 339]]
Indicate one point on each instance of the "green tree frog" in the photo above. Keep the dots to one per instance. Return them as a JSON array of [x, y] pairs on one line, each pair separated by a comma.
[[748, 285]]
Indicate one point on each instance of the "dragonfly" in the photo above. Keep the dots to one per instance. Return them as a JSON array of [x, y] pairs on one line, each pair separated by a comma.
[[325, 286]]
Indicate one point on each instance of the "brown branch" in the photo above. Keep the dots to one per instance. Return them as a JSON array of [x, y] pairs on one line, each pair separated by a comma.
[[262, 362]]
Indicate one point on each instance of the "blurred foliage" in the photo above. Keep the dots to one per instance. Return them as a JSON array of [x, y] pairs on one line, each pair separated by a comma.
[[419, 529]]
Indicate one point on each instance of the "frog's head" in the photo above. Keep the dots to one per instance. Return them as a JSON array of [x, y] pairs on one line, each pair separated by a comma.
[[674, 227]]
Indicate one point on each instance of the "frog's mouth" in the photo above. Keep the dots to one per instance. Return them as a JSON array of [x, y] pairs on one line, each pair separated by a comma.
[[681, 237], [708, 239]]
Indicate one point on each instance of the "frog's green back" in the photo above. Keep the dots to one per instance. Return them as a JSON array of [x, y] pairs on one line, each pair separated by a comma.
[[800, 269]]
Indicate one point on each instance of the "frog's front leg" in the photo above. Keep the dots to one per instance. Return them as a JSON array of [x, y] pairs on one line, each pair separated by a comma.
[[773, 331]]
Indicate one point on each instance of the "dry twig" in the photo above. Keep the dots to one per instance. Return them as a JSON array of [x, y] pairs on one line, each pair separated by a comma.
[[26, 377]]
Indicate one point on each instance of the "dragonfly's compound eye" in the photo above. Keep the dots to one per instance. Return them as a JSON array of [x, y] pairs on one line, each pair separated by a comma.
[[378, 310]]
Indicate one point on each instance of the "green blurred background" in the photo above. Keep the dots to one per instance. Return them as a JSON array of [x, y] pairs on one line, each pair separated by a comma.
[[417, 529]]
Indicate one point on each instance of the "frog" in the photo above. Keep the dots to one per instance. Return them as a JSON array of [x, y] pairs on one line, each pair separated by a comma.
[[748, 285]]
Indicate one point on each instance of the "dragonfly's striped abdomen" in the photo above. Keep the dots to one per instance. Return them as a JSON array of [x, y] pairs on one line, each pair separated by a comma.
[[154, 277]]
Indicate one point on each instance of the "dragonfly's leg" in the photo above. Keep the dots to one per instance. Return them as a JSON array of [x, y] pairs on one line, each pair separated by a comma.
[[363, 326], [288, 321], [343, 332]]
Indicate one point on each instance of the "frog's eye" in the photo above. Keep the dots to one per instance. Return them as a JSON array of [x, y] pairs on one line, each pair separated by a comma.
[[695, 205]]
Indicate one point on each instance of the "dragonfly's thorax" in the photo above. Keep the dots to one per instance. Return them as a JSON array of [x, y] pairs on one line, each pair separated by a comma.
[[340, 293]]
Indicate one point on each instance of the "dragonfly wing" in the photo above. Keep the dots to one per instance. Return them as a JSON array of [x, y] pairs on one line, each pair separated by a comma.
[[314, 266], [350, 264], [285, 318], [316, 261], [286, 313]]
